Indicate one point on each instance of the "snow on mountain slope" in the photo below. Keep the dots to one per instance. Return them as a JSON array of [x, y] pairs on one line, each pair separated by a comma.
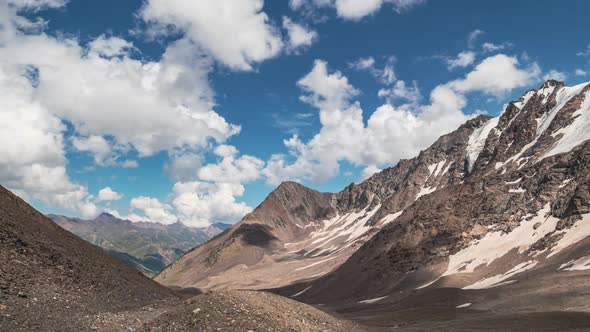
[[477, 140], [520, 209], [300, 234]]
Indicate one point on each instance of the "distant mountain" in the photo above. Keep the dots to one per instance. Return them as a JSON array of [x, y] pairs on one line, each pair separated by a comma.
[[148, 247]]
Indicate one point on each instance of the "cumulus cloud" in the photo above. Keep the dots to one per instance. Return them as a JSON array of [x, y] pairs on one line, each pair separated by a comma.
[[497, 75], [199, 203], [152, 210], [462, 60], [368, 171], [232, 169], [554, 74], [324, 90], [209, 24], [581, 72], [298, 35], [107, 194], [386, 75], [356, 9], [116, 103], [390, 132], [402, 91], [33, 163]]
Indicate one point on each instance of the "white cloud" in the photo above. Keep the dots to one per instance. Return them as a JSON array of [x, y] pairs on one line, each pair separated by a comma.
[[326, 91], [152, 210], [232, 169], [585, 52], [473, 36], [237, 33], [32, 160], [130, 164], [107, 194], [298, 35], [497, 75], [36, 4], [385, 76], [491, 47], [98, 146], [356, 9], [115, 104], [110, 46], [367, 63], [183, 166], [554, 74], [200, 203], [368, 171], [581, 72], [401, 91], [462, 60], [390, 132]]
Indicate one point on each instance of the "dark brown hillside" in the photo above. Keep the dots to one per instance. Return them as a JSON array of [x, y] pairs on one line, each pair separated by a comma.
[[52, 280]]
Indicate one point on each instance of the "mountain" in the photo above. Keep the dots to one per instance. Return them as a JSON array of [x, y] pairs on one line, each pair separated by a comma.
[[297, 233], [51, 280], [148, 247], [488, 224]]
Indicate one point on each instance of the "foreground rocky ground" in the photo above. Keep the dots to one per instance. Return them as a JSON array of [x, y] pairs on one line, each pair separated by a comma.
[[227, 311]]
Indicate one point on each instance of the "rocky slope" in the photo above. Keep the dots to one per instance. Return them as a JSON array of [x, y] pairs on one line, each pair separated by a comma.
[[509, 236], [51, 280], [148, 247], [299, 234]]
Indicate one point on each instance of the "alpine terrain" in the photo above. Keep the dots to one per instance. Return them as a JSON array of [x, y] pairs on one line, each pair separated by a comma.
[[51, 280], [146, 246], [487, 227]]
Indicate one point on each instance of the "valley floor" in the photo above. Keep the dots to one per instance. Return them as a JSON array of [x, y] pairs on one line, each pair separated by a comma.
[[220, 311]]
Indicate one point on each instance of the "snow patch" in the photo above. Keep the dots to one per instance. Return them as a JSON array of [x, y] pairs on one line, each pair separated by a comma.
[[514, 182], [573, 235], [497, 244], [316, 263], [499, 280], [579, 264], [565, 183], [391, 217], [369, 301], [464, 305], [524, 99], [576, 133], [517, 191], [477, 141], [303, 291], [425, 191]]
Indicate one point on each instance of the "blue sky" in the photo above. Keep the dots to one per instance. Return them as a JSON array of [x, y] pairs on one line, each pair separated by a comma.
[[250, 77]]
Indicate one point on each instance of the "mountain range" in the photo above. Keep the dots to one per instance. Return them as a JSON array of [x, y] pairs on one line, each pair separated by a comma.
[[146, 246], [491, 219], [488, 228]]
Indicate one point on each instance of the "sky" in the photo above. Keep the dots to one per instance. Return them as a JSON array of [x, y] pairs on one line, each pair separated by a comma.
[[193, 111]]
